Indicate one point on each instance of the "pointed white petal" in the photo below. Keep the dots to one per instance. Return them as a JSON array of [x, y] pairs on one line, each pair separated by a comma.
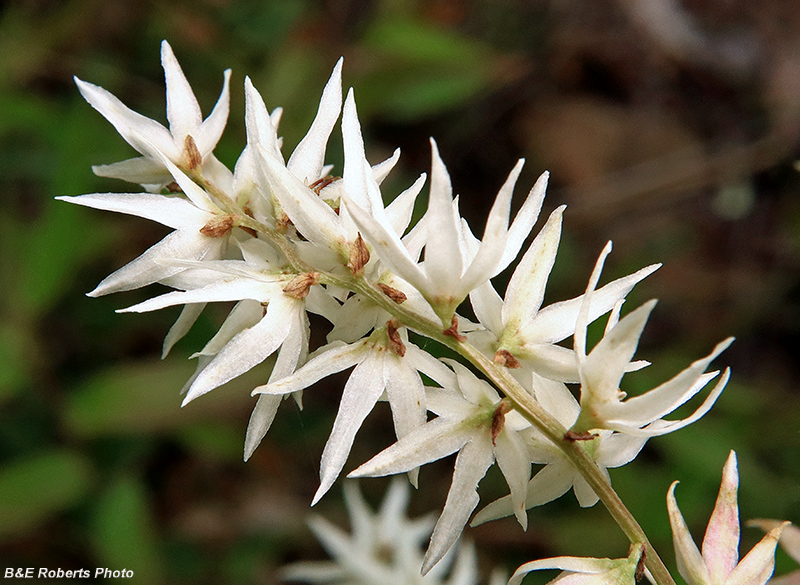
[[309, 156], [558, 321], [406, 394], [512, 458], [525, 291], [244, 315], [169, 211], [618, 449], [230, 290], [381, 170], [556, 399], [524, 220], [551, 361], [487, 305], [361, 393], [433, 440], [181, 327], [142, 170], [260, 128], [333, 358], [584, 493], [260, 420], [137, 130], [665, 398], [311, 215], [473, 460], [443, 263], [212, 127], [249, 348], [581, 565], [603, 368], [183, 111], [357, 180], [485, 263], [552, 482], [399, 211], [146, 269]]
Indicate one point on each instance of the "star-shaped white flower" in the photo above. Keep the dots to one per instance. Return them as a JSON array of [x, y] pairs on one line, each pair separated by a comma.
[[446, 277], [385, 363], [519, 332], [189, 141], [608, 449], [473, 420], [719, 562], [195, 219], [604, 405]]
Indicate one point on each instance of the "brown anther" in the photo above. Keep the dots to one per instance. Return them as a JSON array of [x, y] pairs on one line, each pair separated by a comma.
[[173, 187], [499, 419], [191, 154], [220, 225], [359, 256], [452, 331], [640, 566], [299, 286], [573, 436], [397, 296], [249, 230], [320, 184], [503, 357], [282, 223], [395, 343]]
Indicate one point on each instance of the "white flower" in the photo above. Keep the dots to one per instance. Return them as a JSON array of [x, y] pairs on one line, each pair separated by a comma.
[[604, 405], [186, 126], [587, 571], [559, 475], [191, 218], [473, 420], [386, 363], [446, 277], [383, 547], [719, 562], [519, 332]]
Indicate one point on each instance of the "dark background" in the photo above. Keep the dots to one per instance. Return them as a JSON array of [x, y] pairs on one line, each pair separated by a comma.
[[673, 132]]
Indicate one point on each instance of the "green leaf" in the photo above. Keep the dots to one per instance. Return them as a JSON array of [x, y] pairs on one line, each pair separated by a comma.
[[124, 535], [34, 489], [144, 398]]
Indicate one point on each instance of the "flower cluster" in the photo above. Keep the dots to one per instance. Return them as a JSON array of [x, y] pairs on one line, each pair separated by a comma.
[[283, 237]]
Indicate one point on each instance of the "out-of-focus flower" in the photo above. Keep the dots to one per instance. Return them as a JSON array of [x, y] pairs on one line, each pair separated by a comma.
[[188, 142], [719, 562], [587, 571], [383, 548]]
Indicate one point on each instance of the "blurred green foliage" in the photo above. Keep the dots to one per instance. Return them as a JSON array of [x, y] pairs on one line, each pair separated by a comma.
[[99, 466]]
